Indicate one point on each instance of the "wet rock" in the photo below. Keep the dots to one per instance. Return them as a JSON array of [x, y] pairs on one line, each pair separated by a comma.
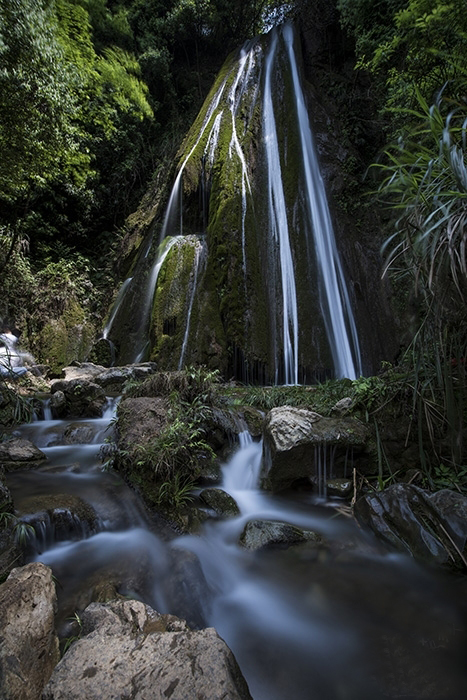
[[58, 404], [144, 369], [295, 440], [340, 488], [85, 371], [430, 527], [29, 649], [83, 398], [266, 533], [145, 656], [78, 434], [57, 517], [220, 502], [140, 419], [342, 407], [114, 378], [20, 454]]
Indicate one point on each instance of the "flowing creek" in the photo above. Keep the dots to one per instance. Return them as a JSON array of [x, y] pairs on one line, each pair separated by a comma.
[[345, 621]]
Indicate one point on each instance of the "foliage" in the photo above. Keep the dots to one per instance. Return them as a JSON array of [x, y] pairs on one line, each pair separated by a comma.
[[38, 102], [424, 180], [179, 446], [409, 46], [319, 398], [173, 495], [194, 384], [78, 624], [15, 409]]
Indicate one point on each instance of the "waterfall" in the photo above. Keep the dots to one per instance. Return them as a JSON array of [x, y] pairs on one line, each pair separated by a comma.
[[116, 306], [199, 250], [162, 253], [272, 291], [335, 302], [279, 228]]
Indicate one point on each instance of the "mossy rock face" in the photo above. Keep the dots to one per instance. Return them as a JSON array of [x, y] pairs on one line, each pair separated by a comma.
[[224, 200], [102, 353], [66, 339]]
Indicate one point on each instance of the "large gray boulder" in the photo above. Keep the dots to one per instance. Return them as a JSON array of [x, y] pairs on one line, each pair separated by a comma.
[[129, 650], [28, 642], [299, 443]]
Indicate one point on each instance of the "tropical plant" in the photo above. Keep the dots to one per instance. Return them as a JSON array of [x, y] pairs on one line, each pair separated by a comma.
[[425, 182], [178, 448], [174, 494]]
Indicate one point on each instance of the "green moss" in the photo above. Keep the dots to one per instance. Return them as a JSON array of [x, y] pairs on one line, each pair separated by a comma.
[[171, 302], [66, 339]]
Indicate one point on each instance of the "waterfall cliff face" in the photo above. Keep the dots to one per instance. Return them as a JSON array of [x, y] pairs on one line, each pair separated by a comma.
[[249, 277]]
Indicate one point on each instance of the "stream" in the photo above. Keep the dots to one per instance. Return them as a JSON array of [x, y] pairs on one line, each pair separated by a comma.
[[341, 619]]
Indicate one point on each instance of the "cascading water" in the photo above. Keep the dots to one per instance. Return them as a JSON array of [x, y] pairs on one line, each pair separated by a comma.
[[335, 302], [279, 229], [141, 338], [199, 252], [116, 306], [333, 618], [251, 162]]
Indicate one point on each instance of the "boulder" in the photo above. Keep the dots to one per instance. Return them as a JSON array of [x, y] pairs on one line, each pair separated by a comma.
[[219, 501], [78, 434], [430, 527], [83, 398], [296, 441], [140, 420], [129, 650], [57, 517], [29, 645], [258, 534], [84, 371], [114, 378], [58, 404], [20, 454]]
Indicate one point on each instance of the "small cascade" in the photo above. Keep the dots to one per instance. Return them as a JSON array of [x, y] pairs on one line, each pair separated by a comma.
[[163, 251], [335, 302], [336, 613], [199, 254], [117, 303], [243, 470], [279, 229], [56, 526], [46, 412]]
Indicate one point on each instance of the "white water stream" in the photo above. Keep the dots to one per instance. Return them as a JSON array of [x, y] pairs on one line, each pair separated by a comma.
[[341, 620], [279, 228], [335, 302]]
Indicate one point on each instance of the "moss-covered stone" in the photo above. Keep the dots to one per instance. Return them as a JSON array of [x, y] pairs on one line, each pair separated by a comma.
[[66, 339]]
